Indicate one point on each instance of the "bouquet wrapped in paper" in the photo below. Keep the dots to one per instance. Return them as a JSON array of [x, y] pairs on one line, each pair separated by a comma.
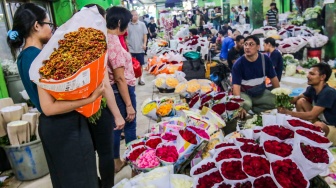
[[72, 65]]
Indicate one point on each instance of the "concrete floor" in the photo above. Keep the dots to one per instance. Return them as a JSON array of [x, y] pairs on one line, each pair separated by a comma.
[[143, 125]]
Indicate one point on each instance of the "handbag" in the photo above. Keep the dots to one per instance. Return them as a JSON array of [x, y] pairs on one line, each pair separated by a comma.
[[136, 67], [258, 90]]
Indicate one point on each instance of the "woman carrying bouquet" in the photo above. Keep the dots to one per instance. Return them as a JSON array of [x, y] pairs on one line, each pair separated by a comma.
[[64, 132], [122, 79]]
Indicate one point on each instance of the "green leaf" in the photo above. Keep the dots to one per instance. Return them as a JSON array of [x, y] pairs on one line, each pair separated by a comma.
[[95, 117]]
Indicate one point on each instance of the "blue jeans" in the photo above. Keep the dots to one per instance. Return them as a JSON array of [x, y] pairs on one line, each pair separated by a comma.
[[130, 127]]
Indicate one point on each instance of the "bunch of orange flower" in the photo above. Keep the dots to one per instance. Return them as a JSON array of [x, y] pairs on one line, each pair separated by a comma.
[[77, 49]]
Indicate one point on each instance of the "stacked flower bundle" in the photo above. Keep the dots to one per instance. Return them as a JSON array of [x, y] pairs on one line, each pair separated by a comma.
[[298, 149], [169, 62], [168, 148], [225, 105]]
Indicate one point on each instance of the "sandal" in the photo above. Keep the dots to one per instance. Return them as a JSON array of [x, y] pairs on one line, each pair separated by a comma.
[[124, 163]]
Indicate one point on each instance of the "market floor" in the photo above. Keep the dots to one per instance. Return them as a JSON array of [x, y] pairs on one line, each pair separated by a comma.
[[143, 125]]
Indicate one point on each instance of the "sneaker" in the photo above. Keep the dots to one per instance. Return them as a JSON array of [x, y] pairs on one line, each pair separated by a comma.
[[141, 83]]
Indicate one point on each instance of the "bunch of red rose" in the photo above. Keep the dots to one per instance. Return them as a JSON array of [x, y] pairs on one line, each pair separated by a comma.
[[219, 96], [135, 153], [206, 100], [188, 136], [232, 170], [287, 174], [153, 142], [278, 148], [299, 123], [201, 132], [255, 165], [169, 137], [264, 182], [252, 148], [205, 168], [245, 140], [230, 106], [222, 145], [209, 180], [229, 153], [278, 131], [219, 108], [247, 184], [315, 154], [224, 185], [313, 136], [167, 153], [194, 100], [138, 144]]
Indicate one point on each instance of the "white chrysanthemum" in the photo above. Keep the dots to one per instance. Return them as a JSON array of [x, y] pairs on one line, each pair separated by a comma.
[[316, 59], [281, 91]]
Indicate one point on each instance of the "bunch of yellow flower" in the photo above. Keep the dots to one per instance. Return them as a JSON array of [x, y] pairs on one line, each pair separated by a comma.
[[172, 82], [149, 107], [181, 87], [164, 109], [206, 88], [159, 82], [193, 87]]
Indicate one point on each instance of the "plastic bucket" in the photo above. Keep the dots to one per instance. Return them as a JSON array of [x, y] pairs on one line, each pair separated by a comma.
[[28, 160], [314, 52]]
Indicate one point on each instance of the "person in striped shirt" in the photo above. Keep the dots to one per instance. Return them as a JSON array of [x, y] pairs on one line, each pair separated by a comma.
[[248, 78], [272, 16]]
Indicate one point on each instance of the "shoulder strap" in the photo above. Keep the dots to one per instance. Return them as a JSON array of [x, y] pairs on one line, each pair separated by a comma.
[[263, 63]]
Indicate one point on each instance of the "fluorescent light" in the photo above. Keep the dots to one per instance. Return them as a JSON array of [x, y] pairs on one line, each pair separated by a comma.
[[134, 2]]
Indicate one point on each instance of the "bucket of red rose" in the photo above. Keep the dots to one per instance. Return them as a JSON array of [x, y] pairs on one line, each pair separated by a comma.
[[167, 153], [230, 152], [280, 171], [186, 142], [148, 108], [232, 171], [312, 160], [311, 138], [275, 150], [299, 124], [153, 141], [278, 133]]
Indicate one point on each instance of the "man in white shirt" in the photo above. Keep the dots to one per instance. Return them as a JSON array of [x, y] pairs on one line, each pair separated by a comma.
[[137, 39]]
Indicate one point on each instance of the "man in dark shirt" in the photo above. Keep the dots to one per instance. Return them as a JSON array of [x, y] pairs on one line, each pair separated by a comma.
[[318, 101], [152, 28], [238, 49]]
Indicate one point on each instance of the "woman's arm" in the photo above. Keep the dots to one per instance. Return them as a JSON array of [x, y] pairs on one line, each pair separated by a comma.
[[50, 106], [112, 104], [119, 78]]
